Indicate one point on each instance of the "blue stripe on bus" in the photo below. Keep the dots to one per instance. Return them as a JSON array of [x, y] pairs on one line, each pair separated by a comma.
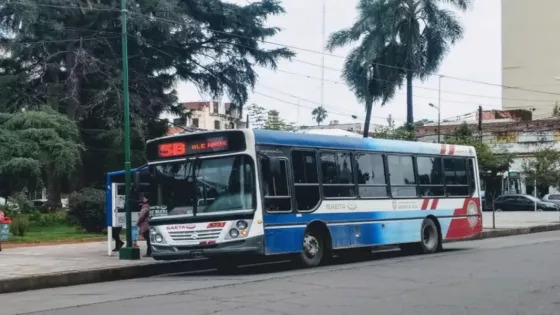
[[284, 232], [271, 137]]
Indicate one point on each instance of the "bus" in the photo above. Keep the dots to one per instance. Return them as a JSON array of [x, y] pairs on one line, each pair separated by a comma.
[[235, 194]]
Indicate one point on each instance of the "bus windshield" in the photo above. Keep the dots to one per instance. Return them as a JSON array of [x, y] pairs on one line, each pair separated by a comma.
[[203, 186]]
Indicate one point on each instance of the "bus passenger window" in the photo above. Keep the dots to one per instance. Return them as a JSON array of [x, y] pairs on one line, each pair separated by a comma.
[[401, 173], [338, 177], [472, 178], [371, 176], [306, 180], [275, 187], [456, 177], [430, 177]]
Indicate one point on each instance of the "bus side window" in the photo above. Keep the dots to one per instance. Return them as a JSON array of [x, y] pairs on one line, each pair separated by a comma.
[[275, 186], [306, 180], [472, 177]]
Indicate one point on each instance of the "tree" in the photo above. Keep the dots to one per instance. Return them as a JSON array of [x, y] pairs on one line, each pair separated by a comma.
[[55, 141], [544, 168], [257, 116], [490, 164], [68, 57], [274, 122], [407, 38], [319, 114]]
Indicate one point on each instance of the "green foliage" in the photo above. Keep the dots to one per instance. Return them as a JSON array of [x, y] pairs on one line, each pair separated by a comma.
[[489, 163], [410, 37], [87, 208], [69, 58], [545, 168], [319, 114], [23, 202], [36, 218], [261, 119], [20, 225]]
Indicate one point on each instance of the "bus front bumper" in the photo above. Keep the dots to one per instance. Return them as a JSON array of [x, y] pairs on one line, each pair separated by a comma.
[[248, 246]]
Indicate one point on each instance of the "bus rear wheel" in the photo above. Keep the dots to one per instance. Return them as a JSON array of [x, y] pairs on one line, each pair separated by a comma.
[[313, 249], [430, 240]]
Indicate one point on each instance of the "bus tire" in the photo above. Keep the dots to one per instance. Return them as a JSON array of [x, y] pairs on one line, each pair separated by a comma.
[[314, 248], [430, 237]]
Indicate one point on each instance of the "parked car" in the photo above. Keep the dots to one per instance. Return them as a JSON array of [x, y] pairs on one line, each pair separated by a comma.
[[520, 202], [554, 198]]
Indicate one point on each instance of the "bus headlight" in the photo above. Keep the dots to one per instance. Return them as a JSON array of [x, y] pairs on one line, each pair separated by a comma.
[[153, 231], [242, 225], [233, 233], [158, 238]]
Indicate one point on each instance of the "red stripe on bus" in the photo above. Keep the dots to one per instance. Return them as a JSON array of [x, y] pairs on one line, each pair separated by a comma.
[[434, 204], [443, 149], [452, 149], [425, 204]]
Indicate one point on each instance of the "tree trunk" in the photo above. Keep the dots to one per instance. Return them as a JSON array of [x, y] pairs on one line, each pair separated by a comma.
[[369, 105], [54, 191], [409, 94]]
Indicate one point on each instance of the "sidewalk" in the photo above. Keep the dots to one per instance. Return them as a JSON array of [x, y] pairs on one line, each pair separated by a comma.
[[29, 268]]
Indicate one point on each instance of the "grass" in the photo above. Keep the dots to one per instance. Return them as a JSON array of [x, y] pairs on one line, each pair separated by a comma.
[[57, 233]]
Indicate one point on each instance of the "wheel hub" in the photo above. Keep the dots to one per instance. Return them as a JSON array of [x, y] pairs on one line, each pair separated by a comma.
[[310, 245]]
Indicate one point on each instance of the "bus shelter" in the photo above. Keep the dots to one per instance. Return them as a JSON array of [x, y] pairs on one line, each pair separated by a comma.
[[114, 200]]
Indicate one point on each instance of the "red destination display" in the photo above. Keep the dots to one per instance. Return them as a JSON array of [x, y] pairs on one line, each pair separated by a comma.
[[176, 149], [210, 145], [172, 149]]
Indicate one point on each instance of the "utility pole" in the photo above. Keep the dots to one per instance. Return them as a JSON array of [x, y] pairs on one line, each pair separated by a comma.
[[438, 112], [480, 123], [323, 56], [128, 252]]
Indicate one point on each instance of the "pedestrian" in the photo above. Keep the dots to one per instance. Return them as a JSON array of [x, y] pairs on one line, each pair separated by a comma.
[[143, 224], [117, 237]]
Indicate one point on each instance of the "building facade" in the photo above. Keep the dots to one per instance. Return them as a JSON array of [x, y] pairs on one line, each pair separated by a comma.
[[530, 47], [209, 116], [511, 134]]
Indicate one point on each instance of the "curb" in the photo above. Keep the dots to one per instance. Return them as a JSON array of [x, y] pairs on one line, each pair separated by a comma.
[[47, 281], [72, 278], [511, 232]]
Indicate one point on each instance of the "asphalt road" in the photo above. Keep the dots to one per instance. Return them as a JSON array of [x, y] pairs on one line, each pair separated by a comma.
[[512, 275]]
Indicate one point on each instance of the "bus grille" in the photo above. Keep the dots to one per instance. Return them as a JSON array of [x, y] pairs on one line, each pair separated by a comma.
[[198, 235]]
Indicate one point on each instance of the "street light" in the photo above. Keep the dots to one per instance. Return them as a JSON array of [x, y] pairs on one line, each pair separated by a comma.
[[438, 121]]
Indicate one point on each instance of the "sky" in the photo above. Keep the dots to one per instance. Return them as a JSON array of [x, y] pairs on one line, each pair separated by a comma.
[[295, 88]]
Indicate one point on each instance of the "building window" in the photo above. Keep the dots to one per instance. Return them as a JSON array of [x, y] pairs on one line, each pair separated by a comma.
[[179, 122], [338, 178], [456, 178], [306, 180], [371, 176], [401, 174], [195, 122], [430, 177], [276, 190], [215, 108], [216, 125]]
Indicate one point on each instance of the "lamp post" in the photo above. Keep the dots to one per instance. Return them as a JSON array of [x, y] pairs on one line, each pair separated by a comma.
[[128, 252], [438, 122]]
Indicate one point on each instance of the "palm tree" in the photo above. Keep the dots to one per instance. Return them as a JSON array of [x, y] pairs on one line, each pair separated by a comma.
[[418, 32], [319, 114]]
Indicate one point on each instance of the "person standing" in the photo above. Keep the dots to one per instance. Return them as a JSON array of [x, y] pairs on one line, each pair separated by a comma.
[[143, 225]]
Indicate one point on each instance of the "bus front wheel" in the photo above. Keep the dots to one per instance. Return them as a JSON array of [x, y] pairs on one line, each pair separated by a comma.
[[313, 249]]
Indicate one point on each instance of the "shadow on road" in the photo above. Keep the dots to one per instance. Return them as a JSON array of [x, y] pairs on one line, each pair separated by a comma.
[[204, 268]]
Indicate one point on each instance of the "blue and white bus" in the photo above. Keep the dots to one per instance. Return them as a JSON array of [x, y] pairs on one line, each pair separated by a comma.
[[229, 195]]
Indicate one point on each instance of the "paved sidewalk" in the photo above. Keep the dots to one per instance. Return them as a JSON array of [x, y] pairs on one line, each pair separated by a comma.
[[39, 267], [506, 220]]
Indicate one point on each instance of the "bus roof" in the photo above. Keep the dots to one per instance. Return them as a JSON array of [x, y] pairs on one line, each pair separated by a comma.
[[293, 139]]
